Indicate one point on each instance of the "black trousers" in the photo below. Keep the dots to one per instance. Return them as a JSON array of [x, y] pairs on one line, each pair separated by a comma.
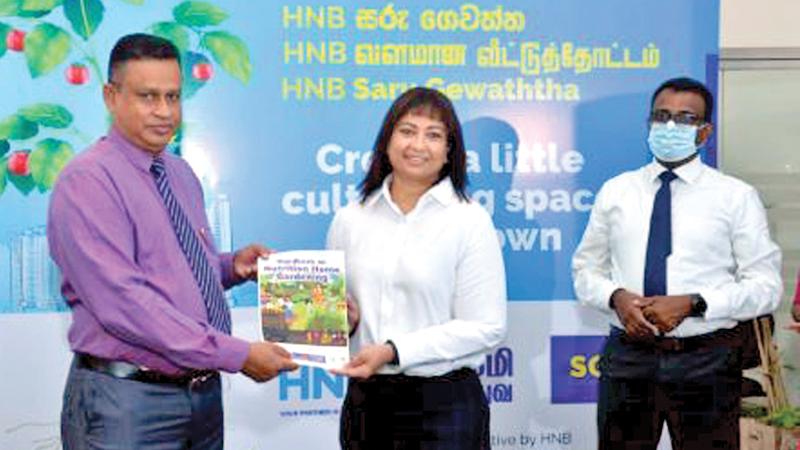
[[403, 412], [697, 391]]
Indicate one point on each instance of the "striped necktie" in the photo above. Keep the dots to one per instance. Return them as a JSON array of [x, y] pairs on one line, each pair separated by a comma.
[[659, 241], [219, 315]]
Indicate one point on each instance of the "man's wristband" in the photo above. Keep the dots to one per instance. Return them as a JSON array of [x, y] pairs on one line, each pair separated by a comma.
[[395, 356]]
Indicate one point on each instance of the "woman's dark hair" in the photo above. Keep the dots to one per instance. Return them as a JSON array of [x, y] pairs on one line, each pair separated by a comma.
[[139, 46], [430, 102]]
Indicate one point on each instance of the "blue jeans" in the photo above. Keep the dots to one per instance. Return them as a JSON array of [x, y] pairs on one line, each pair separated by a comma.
[[103, 412]]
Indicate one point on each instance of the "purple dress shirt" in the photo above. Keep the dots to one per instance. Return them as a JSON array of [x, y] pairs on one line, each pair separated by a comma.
[[130, 287]]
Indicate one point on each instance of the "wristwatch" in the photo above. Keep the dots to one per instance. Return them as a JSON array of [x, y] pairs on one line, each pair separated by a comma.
[[396, 359], [698, 305]]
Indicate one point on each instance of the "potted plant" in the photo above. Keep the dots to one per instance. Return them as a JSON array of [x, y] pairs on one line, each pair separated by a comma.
[[775, 425]]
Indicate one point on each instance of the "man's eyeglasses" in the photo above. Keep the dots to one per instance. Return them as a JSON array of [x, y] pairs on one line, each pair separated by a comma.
[[680, 118]]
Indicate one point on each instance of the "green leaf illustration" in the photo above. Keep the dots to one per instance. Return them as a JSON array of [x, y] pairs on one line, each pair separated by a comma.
[[191, 84], [198, 14], [34, 14], [174, 146], [36, 8], [229, 52], [3, 164], [46, 46], [9, 7], [16, 127], [4, 147], [25, 184], [33, 6], [173, 32], [47, 115], [84, 16], [47, 160], [4, 29], [39, 5]]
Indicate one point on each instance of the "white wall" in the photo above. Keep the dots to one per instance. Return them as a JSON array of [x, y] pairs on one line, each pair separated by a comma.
[[760, 23], [759, 137]]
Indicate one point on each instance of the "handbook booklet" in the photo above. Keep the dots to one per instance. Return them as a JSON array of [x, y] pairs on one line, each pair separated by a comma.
[[303, 306]]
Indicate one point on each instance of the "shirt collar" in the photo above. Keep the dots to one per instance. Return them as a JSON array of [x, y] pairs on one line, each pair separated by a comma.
[[139, 157], [380, 193], [688, 172], [443, 192]]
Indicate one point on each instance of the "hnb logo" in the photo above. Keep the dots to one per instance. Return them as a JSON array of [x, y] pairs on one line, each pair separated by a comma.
[[310, 384]]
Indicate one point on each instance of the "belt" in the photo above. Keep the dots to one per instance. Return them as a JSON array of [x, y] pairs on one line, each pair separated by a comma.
[[725, 337], [128, 371]]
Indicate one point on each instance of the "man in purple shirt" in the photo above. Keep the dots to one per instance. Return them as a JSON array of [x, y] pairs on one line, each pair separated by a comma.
[[148, 332]]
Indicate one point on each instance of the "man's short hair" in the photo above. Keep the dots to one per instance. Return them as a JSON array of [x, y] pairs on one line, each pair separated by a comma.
[[139, 46], [684, 84]]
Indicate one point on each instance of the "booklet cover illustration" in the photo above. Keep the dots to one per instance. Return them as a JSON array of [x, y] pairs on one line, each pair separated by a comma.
[[303, 306]]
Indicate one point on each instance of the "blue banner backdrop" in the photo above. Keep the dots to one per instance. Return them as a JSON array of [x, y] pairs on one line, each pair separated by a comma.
[[282, 104]]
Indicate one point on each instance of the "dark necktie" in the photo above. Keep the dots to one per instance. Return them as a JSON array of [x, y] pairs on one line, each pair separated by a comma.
[[659, 242], [219, 315]]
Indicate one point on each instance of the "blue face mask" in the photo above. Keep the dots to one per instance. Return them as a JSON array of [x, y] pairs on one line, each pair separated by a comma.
[[672, 142]]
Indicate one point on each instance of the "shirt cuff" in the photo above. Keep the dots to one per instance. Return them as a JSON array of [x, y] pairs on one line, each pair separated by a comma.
[[229, 279], [233, 353], [405, 346], [604, 299], [717, 306]]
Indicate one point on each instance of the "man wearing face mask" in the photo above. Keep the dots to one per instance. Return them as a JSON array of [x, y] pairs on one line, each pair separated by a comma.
[[677, 254]]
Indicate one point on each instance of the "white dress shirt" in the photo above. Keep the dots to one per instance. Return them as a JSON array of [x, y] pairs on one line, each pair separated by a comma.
[[432, 281], [721, 248]]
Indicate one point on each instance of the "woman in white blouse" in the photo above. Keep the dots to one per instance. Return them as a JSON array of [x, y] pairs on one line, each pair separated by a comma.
[[425, 270]]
